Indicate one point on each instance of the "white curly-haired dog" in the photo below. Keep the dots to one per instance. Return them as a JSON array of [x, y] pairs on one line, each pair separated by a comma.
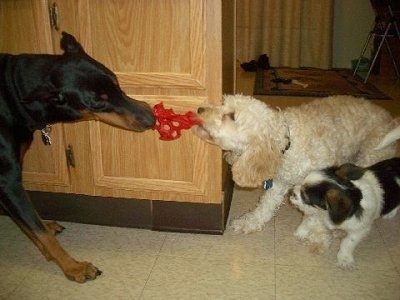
[[349, 198], [278, 148]]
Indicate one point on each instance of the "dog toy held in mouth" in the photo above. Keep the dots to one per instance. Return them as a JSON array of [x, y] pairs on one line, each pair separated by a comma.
[[170, 124]]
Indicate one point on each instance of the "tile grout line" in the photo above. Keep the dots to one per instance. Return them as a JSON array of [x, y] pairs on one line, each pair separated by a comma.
[[387, 252], [275, 254], [152, 268]]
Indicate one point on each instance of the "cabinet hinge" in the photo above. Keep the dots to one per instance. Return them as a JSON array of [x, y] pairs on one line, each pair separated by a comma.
[[69, 153], [53, 14]]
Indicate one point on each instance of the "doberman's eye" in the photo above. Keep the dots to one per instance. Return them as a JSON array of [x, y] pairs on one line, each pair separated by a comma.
[[101, 101], [104, 97]]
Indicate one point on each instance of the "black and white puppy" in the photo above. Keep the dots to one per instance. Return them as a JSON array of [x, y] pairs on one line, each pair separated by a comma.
[[349, 198]]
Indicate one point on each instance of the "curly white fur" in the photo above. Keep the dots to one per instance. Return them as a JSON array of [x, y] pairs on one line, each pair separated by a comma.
[[324, 132]]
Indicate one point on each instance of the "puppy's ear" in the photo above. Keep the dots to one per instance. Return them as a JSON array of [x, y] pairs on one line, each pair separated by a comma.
[[350, 172], [70, 45], [339, 205], [257, 164]]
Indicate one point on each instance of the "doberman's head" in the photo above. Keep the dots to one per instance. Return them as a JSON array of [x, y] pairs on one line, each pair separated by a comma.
[[77, 87]]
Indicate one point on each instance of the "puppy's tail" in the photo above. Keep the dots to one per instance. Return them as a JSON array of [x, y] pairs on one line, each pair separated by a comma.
[[390, 138]]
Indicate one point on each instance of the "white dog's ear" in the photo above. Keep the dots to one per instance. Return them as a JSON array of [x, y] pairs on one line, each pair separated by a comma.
[[339, 205], [257, 164]]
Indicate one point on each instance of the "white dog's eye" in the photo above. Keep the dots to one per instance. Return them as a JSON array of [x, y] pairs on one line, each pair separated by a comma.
[[229, 116]]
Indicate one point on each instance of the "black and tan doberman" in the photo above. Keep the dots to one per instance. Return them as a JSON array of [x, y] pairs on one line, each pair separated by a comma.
[[40, 89]]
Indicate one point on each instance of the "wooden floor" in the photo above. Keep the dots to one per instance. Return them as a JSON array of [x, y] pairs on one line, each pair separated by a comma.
[[386, 83]]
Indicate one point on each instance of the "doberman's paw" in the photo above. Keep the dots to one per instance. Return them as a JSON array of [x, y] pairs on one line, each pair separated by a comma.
[[53, 227], [82, 272]]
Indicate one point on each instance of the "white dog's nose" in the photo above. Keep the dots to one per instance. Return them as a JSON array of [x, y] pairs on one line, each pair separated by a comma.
[[200, 110]]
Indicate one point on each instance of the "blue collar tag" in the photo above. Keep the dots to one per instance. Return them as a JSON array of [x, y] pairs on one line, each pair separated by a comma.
[[267, 184]]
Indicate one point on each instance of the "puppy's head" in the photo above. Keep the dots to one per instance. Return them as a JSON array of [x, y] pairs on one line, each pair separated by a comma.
[[80, 88], [242, 125], [324, 190]]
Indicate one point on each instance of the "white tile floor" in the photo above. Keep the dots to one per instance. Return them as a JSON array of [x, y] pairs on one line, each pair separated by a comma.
[[143, 264]]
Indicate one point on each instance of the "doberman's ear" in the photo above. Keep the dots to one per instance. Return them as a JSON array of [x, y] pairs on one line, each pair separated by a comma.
[[350, 172], [339, 205], [70, 45]]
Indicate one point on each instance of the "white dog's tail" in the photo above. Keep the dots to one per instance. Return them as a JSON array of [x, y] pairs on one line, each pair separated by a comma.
[[389, 138]]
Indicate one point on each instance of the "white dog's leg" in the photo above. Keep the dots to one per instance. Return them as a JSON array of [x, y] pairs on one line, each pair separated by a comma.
[[265, 210], [345, 257]]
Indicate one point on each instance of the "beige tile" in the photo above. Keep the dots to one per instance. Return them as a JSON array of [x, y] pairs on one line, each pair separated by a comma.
[[125, 275], [111, 238], [303, 282], [290, 251], [229, 247], [389, 229], [126, 256], [201, 278], [243, 200]]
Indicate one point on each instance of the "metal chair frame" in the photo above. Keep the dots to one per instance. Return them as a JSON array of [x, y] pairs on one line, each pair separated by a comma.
[[376, 32]]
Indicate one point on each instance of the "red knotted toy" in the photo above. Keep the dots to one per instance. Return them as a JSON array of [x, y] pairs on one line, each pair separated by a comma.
[[170, 124]]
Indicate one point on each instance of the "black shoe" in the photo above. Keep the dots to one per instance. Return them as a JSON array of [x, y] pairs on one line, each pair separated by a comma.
[[250, 66], [263, 62]]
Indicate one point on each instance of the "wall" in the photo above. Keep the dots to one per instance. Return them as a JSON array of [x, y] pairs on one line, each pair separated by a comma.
[[352, 22]]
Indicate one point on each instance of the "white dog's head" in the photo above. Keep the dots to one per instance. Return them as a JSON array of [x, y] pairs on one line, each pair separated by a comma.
[[243, 126]]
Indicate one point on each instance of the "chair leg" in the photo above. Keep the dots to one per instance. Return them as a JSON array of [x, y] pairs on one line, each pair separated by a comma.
[[383, 39], [362, 54], [392, 57]]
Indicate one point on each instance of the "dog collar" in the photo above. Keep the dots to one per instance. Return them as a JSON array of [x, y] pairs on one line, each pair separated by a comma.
[[287, 136], [267, 184], [287, 145], [46, 138]]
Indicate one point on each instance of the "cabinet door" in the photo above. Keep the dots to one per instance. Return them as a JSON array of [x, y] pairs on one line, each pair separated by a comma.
[[169, 53], [24, 28]]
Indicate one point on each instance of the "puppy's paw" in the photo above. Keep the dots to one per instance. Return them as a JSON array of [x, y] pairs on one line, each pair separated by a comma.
[[391, 214], [301, 234], [345, 261], [246, 224]]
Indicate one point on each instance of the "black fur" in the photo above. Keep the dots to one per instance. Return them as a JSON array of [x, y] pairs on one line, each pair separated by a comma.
[[36, 90], [387, 172], [349, 194]]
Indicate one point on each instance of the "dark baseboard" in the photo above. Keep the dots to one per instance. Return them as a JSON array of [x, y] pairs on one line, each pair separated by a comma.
[[93, 210], [137, 213]]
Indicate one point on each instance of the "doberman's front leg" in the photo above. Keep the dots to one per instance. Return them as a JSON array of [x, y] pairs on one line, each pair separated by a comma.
[[53, 227], [16, 203], [74, 270]]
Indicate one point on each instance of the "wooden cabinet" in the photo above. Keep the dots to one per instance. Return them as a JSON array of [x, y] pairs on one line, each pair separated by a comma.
[[169, 51]]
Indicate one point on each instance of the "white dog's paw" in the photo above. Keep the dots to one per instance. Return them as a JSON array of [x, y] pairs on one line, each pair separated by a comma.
[[246, 224], [345, 261]]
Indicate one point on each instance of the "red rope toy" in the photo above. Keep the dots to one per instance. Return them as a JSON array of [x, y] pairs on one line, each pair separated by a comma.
[[170, 124]]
